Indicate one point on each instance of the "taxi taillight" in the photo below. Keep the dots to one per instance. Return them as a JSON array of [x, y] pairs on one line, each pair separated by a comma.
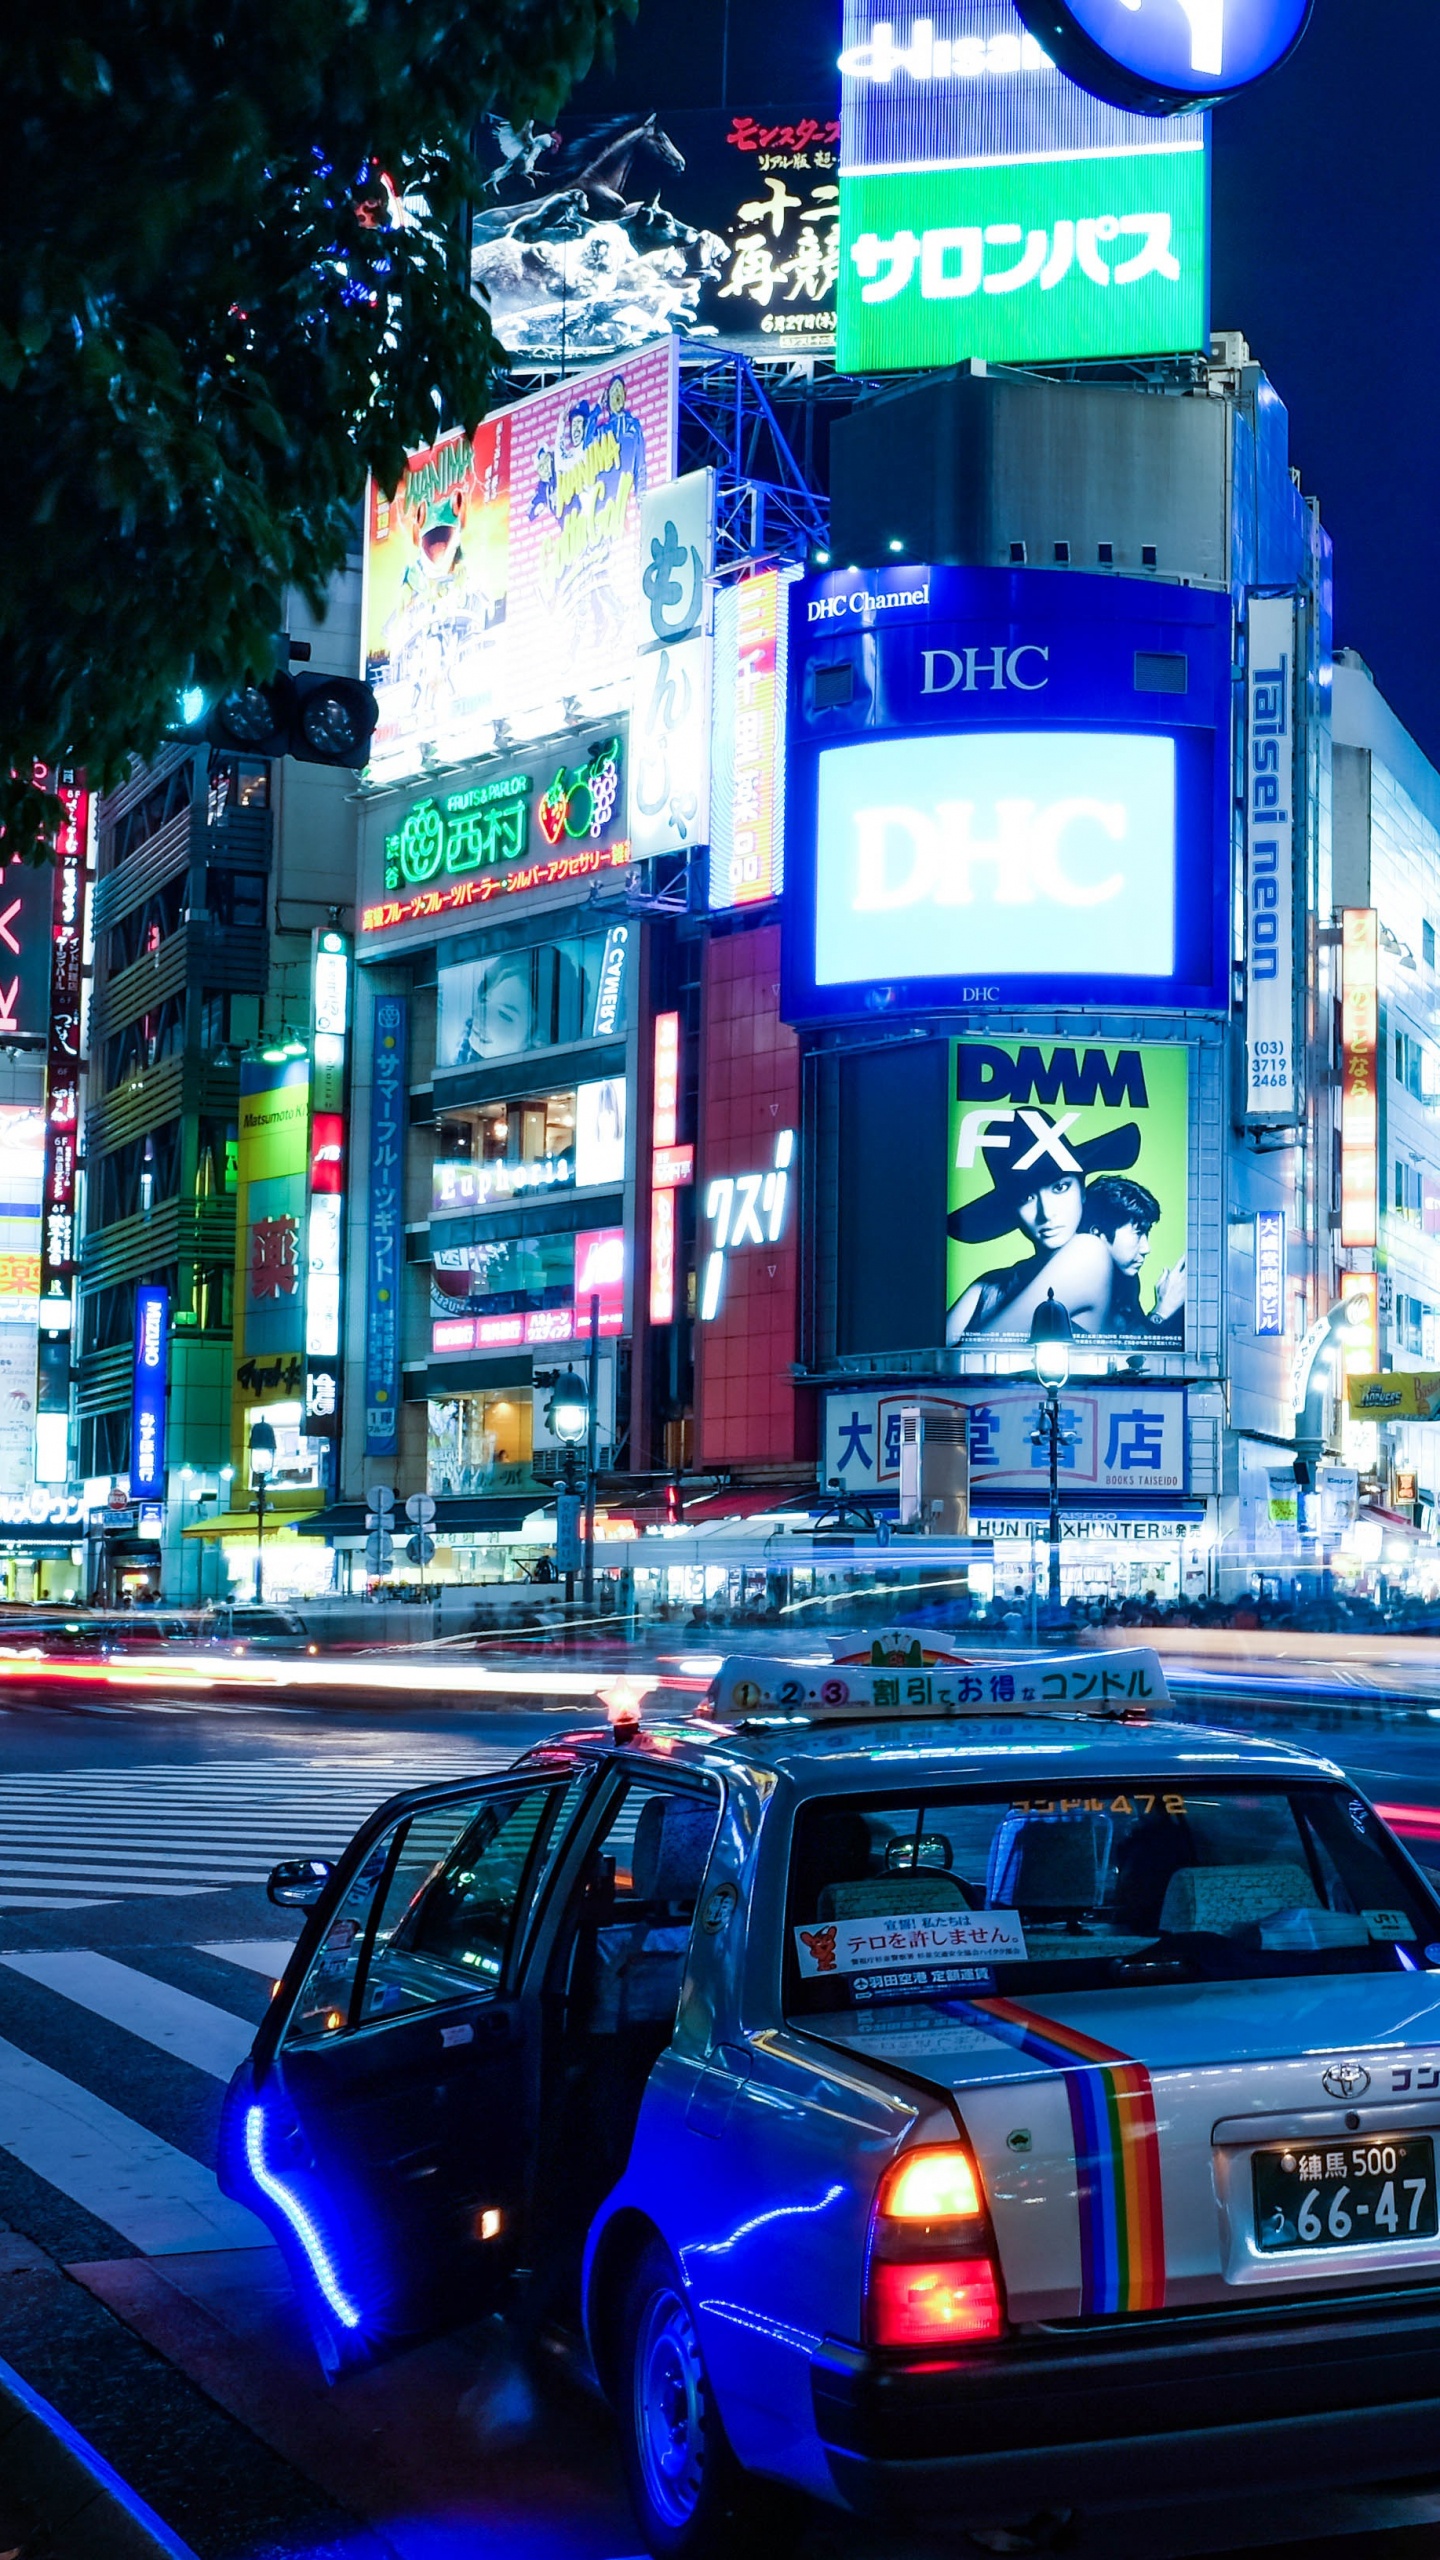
[[931, 2278]]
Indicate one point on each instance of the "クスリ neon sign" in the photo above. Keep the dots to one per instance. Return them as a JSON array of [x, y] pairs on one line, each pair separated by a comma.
[[744, 1209]]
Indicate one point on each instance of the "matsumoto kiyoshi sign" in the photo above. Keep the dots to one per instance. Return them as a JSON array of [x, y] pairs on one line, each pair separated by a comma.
[[1068, 1173], [1126, 1439], [1162, 55]]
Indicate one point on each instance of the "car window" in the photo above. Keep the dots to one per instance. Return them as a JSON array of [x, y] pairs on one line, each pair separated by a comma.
[[450, 1909], [323, 2007], [625, 1951], [963, 1893], [350, 1974]]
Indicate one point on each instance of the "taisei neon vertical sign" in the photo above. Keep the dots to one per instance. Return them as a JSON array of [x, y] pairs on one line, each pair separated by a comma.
[[671, 1168], [1359, 1077]]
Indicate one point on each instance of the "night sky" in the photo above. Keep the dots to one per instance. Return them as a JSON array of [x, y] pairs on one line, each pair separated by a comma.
[[1327, 255]]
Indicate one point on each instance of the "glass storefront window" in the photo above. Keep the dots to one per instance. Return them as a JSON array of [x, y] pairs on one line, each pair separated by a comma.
[[511, 1274], [508, 1149], [470, 1436]]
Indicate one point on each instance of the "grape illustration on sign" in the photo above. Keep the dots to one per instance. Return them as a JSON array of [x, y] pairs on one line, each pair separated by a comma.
[[1163, 56]]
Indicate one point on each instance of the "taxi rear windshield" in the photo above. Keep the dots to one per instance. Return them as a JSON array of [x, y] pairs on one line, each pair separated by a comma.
[[891, 1899]]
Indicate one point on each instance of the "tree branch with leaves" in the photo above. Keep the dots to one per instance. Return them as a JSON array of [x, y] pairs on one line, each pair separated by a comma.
[[235, 279]]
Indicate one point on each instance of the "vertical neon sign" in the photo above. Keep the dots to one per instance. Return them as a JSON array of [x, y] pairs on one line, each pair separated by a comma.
[[387, 1163], [147, 1416], [671, 1167], [59, 1262], [325, 1215], [1359, 1093]]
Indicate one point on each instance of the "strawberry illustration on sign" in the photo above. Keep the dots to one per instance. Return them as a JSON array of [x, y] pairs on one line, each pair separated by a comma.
[[581, 799]]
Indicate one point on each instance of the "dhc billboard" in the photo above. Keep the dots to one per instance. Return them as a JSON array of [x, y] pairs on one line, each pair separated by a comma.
[[1005, 787]]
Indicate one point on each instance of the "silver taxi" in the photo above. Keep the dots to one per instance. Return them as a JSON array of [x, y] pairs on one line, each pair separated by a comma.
[[944, 2089]]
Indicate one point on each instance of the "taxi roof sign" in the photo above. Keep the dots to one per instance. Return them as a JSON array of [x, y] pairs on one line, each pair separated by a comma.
[[762, 1689]]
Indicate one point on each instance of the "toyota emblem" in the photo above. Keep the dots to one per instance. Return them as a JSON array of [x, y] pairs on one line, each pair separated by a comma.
[[1345, 2080]]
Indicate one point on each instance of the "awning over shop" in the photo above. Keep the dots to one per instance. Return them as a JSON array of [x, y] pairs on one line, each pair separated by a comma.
[[456, 1516], [737, 1505], [293, 1514]]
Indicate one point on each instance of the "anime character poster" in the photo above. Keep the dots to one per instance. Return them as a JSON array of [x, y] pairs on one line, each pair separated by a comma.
[[1069, 1171], [437, 569], [581, 458]]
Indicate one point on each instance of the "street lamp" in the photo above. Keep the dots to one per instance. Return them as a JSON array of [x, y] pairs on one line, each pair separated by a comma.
[[262, 1464], [568, 1415], [1050, 1342]]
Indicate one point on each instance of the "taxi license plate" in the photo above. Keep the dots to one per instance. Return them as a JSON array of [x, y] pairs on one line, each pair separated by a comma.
[[1351, 2194]]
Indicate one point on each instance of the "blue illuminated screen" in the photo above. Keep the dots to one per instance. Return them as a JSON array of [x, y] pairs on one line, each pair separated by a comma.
[[1002, 853]]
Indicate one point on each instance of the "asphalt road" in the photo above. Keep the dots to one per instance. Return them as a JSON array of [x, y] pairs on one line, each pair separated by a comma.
[[136, 1954]]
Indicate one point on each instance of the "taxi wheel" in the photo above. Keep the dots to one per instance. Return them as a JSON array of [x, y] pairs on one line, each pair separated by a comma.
[[688, 2490]]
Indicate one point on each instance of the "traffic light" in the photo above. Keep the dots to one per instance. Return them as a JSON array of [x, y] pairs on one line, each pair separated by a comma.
[[315, 719], [673, 1508]]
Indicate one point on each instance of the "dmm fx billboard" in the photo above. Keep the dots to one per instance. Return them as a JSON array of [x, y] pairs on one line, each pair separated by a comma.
[[990, 207], [270, 1206], [1121, 1440], [1005, 788], [1069, 1171], [1272, 1070]]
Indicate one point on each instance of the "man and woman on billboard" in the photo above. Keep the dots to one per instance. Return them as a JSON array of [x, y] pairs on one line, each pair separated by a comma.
[[1061, 1189]]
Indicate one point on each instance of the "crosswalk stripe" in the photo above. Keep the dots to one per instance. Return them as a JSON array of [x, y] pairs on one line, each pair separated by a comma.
[[51, 1902], [195, 2031], [159, 2199], [269, 1956], [69, 1837]]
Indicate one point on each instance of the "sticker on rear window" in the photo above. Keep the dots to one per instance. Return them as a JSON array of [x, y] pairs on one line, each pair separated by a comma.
[[885, 1942], [1388, 1924]]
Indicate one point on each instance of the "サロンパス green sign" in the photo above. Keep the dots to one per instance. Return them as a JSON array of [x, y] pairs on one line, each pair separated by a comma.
[[1025, 260]]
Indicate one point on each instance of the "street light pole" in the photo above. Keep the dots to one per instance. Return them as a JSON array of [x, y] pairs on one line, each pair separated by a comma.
[[1050, 1341], [1052, 1432], [262, 1459], [568, 1415]]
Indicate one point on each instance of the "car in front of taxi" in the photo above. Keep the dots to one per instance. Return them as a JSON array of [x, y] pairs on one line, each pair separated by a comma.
[[945, 2091]]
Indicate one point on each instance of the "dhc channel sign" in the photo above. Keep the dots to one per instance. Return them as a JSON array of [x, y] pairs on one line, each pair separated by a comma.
[[1006, 787]]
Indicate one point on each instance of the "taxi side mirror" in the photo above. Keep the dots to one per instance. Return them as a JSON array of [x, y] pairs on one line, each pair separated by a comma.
[[297, 1883]]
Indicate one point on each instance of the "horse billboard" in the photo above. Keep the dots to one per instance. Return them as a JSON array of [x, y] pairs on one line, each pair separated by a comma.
[[722, 226]]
